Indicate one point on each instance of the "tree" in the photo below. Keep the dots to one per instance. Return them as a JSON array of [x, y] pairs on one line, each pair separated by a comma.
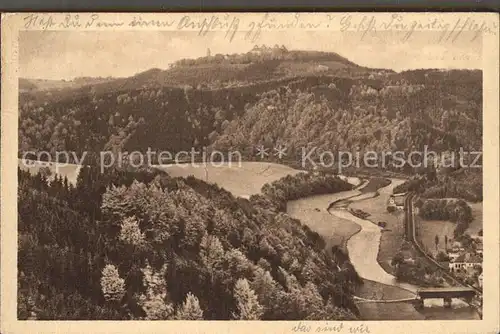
[[112, 285], [442, 257], [446, 242], [211, 250], [313, 302], [190, 309], [247, 303], [397, 259], [309, 270], [436, 241], [264, 285], [130, 232], [153, 302]]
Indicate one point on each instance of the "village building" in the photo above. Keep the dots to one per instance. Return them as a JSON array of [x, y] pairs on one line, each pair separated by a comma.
[[457, 247], [465, 261], [453, 255], [397, 200]]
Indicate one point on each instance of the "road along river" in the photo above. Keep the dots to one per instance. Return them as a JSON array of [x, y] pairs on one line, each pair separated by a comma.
[[362, 240]]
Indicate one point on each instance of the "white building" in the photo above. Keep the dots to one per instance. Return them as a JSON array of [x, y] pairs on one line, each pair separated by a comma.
[[397, 200], [453, 256], [464, 262]]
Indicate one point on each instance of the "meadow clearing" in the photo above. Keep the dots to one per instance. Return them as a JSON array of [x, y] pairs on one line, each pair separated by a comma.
[[241, 179], [65, 170]]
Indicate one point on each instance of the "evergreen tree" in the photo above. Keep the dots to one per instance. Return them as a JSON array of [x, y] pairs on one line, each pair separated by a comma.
[[248, 305], [130, 232], [153, 302], [211, 250], [112, 285], [313, 302], [190, 309]]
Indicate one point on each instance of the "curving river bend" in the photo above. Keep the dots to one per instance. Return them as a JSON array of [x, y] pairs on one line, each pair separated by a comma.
[[363, 242], [363, 247]]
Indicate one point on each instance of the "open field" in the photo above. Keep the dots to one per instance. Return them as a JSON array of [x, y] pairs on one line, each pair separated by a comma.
[[66, 170], [375, 290], [392, 237], [393, 311], [440, 313], [242, 180], [427, 231], [375, 183]]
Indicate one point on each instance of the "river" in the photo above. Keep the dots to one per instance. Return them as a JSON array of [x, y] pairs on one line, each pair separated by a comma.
[[363, 245]]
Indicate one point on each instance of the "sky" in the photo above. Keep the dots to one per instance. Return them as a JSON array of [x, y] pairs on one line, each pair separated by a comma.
[[69, 54]]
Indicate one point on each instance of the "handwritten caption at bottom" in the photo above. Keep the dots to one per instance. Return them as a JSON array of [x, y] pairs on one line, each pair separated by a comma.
[[305, 327]]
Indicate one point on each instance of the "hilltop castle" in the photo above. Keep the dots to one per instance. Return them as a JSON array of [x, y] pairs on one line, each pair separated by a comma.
[[263, 49]]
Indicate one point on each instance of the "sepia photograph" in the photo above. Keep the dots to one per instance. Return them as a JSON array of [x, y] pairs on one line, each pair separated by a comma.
[[273, 171]]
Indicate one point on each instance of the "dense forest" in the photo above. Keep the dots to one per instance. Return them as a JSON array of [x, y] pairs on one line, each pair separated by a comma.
[[302, 185], [370, 110], [464, 183], [402, 117], [193, 251]]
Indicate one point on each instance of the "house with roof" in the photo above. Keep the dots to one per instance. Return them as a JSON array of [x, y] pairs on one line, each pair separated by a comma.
[[397, 200], [465, 261], [453, 255]]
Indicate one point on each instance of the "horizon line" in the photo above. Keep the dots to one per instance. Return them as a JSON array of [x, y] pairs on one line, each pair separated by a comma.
[[111, 77]]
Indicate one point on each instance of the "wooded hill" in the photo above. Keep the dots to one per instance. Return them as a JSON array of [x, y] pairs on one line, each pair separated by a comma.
[[345, 106], [143, 245]]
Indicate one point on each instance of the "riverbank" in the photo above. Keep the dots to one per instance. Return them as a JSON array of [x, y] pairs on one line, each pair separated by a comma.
[[363, 247], [311, 212], [393, 235]]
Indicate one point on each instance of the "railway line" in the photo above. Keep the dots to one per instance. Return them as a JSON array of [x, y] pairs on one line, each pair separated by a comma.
[[410, 235]]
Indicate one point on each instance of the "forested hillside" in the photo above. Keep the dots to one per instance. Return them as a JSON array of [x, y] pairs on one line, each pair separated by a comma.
[[164, 119], [371, 109], [193, 251], [395, 117]]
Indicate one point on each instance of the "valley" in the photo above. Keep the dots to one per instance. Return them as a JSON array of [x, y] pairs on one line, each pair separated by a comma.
[[273, 237]]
